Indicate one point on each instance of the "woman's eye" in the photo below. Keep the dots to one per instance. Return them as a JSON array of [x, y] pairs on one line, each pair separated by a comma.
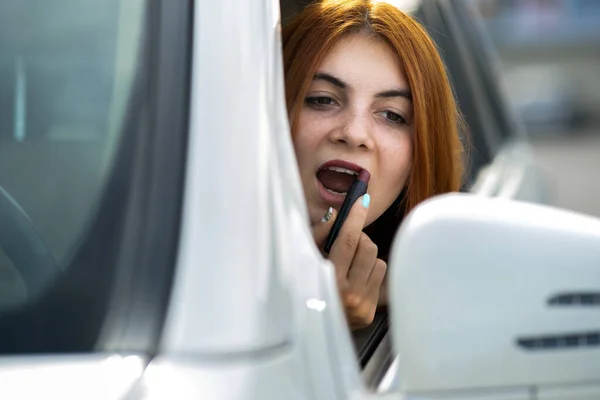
[[320, 101], [394, 118]]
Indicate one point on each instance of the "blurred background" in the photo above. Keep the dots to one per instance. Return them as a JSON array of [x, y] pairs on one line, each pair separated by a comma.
[[550, 57]]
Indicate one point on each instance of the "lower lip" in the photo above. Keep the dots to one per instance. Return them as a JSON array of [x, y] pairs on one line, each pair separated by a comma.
[[334, 200]]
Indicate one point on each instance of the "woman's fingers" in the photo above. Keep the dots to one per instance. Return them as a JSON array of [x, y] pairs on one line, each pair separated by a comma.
[[377, 276], [345, 246], [359, 272], [361, 289], [363, 263], [321, 229], [360, 309]]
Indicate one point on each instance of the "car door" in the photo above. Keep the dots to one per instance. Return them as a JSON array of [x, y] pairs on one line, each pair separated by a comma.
[[192, 272]]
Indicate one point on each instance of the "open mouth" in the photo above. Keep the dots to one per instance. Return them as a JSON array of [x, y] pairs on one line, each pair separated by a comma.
[[338, 176], [336, 180]]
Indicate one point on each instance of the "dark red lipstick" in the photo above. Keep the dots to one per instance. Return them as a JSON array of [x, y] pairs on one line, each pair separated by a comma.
[[358, 189]]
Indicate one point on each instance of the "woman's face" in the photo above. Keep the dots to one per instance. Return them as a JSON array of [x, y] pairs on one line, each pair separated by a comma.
[[357, 114]]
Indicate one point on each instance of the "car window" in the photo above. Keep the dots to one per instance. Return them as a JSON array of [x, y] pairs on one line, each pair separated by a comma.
[[67, 70], [487, 65], [483, 132], [12, 290]]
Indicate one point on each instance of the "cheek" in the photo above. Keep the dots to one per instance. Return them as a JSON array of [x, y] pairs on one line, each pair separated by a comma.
[[395, 163], [306, 138], [302, 145], [398, 160]]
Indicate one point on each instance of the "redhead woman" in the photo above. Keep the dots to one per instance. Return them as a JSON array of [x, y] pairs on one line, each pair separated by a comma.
[[367, 90]]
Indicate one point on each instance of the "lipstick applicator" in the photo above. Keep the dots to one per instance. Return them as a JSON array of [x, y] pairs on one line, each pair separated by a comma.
[[358, 188]]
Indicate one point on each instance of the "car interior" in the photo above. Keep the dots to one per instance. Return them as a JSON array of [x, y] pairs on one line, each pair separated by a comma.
[[61, 102], [91, 168]]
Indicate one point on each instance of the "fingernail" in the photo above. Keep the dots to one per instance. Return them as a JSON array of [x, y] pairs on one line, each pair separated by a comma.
[[327, 215], [366, 200]]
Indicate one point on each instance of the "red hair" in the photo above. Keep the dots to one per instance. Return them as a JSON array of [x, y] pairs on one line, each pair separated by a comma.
[[437, 149]]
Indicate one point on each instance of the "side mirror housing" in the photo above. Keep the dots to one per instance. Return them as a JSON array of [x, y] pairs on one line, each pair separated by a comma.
[[496, 296]]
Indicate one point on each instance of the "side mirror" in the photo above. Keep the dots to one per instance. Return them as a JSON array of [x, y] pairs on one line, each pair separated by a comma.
[[496, 299]]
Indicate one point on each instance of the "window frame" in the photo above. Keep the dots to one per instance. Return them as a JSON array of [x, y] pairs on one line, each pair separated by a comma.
[[482, 139], [488, 68], [114, 294]]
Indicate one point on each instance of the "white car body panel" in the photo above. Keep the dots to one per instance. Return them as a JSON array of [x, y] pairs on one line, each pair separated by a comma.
[[514, 174], [282, 296], [520, 257], [90, 377], [227, 252]]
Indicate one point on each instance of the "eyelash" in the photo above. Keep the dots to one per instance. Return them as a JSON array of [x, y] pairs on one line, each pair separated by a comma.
[[400, 120], [314, 103]]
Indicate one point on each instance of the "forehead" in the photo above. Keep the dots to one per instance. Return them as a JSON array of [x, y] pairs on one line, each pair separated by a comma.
[[364, 61]]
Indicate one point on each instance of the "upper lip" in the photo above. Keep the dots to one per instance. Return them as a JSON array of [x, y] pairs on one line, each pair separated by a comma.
[[341, 164]]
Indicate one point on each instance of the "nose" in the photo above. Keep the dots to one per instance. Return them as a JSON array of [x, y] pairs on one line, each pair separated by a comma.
[[354, 131]]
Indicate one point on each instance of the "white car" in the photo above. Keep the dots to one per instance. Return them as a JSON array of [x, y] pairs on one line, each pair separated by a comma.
[[156, 242]]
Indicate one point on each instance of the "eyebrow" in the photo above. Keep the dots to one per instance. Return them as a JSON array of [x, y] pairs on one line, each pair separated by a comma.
[[331, 79], [343, 85], [395, 93]]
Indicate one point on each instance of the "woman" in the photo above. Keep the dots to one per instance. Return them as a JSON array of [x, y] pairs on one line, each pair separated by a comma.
[[366, 89]]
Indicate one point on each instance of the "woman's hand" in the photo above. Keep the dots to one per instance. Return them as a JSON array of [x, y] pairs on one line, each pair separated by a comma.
[[359, 272]]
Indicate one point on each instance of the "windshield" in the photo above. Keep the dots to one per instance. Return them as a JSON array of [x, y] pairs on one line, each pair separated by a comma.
[[67, 70]]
